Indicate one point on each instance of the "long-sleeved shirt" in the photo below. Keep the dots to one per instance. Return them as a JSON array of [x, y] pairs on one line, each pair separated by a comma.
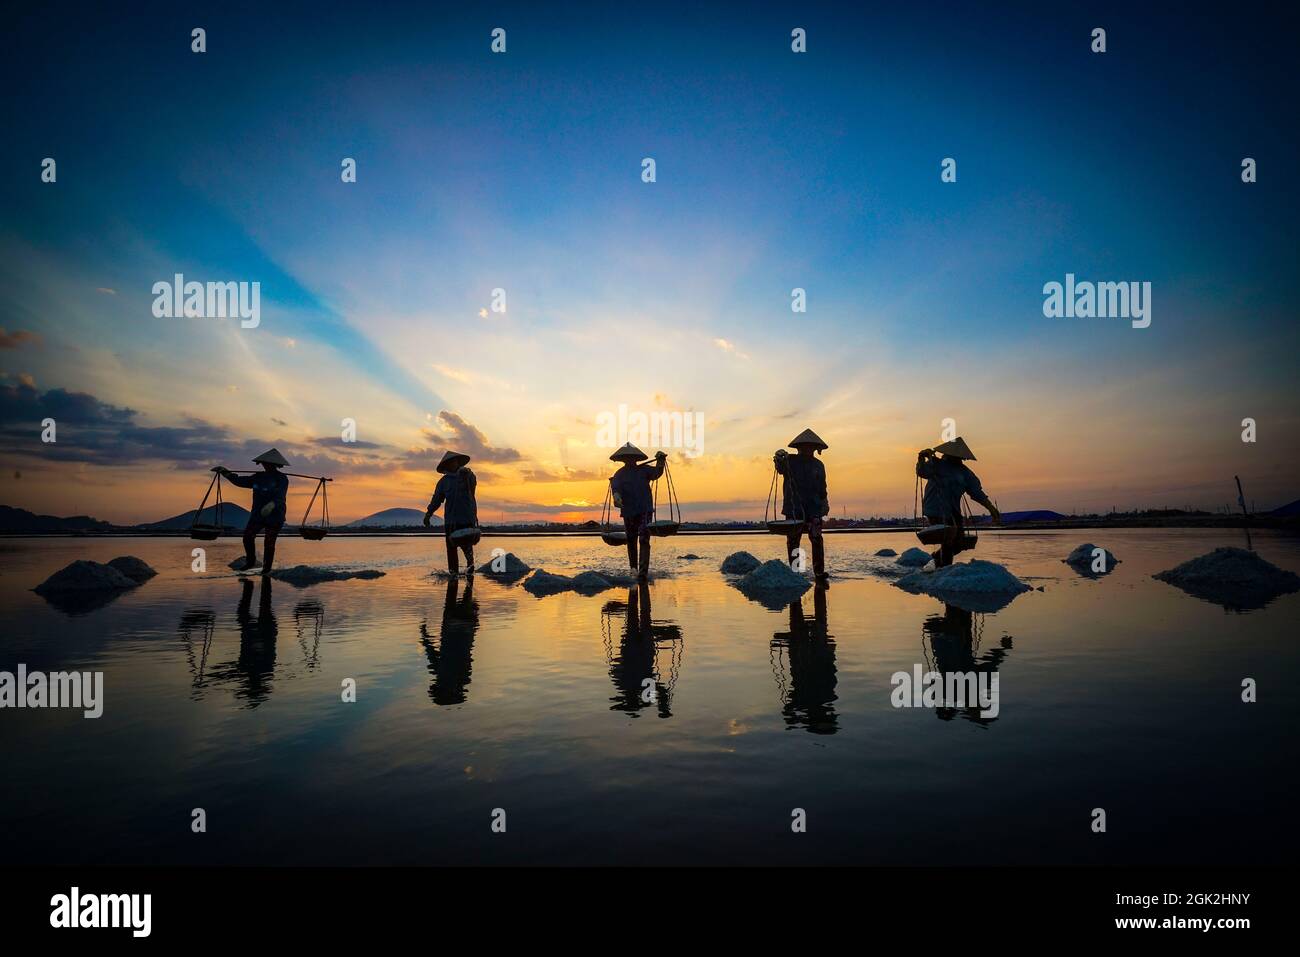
[[946, 481], [631, 484], [803, 487], [457, 490], [268, 488]]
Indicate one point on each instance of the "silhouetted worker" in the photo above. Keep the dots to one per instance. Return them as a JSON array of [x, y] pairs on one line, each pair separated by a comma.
[[809, 698], [947, 479], [270, 489], [451, 660], [803, 486], [456, 488], [635, 502]]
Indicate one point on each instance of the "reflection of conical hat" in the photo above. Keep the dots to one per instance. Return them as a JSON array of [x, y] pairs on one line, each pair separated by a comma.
[[272, 457], [808, 437], [628, 453], [957, 448], [452, 461]]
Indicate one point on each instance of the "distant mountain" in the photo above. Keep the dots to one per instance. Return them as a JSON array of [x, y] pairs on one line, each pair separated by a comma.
[[393, 518], [1290, 510], [1037, 515], [21, 520], [232, 516]]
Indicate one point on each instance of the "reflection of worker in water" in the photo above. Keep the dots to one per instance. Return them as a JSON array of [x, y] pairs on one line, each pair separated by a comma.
[[630, 486], [270, 490], [252, 672], [954, 640], [808, 692], [804, 496], [947, 479], [457, 488], [633, 669], [451, 659]]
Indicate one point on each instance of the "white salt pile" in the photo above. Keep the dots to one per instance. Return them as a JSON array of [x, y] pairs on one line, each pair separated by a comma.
[[974, 585], [739, 563], [1232, 577], [304, 575], [888, 553], [589, 583], [915, 557], [689, 557], [774, 575], [508, 565], [133, 568], [83, 577], [1086, 560], [542, 582]]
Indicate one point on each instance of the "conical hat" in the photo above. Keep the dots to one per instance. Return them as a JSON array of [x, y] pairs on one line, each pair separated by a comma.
[[957, 448], [272, 457], [452, 461], [628, 453], [808, 437]]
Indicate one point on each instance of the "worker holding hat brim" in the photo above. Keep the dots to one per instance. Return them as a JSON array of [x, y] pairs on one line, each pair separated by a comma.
[[632, 495], [947, 479], [270, 491], [804, 498], [456, 488]]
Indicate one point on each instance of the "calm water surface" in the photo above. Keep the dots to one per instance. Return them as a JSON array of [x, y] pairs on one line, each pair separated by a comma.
[[1121, 693]]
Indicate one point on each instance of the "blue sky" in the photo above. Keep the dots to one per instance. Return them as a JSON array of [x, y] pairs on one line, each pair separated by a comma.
[[775, 170]]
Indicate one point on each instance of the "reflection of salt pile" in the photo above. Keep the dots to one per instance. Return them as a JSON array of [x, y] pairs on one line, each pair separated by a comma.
[[773, 584], [133, 568], [303, 575], [915, 557], [974, 585], [1232, 577], [1083, 557], [887, 553], [739, 563], [508, 565], [82, 577]]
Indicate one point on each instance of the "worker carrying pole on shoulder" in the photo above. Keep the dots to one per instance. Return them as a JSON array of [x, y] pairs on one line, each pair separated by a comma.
[[947, 479]]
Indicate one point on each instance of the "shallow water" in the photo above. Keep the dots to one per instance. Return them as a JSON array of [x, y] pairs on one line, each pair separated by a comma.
[[1120, 693]]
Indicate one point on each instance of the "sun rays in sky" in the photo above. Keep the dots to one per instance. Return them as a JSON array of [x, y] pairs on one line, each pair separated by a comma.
[[522, 173]]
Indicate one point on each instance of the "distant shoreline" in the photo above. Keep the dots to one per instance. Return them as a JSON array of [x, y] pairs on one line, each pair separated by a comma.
[[1288, 525]]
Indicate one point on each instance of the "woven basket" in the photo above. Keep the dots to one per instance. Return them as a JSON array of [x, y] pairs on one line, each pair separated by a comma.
[[787, 526], [466, 536]]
